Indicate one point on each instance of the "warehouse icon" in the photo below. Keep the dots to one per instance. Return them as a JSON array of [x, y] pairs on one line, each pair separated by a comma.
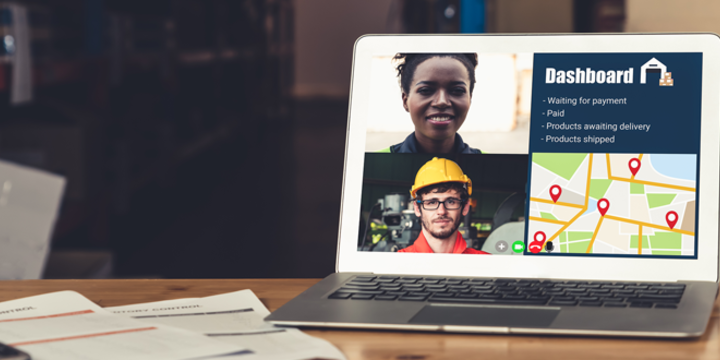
[[654, 66]]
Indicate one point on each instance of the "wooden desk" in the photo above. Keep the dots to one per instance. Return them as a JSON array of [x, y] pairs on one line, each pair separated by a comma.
[[377, 344]]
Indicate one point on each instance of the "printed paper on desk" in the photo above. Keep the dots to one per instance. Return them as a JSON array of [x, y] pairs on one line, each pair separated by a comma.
[[66, 325], [235, 318]]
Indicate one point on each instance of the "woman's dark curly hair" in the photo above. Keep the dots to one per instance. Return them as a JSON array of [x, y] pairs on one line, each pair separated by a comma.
[[409, 62]]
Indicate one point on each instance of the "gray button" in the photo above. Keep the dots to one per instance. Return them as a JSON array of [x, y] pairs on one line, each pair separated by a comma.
[[501, 246]]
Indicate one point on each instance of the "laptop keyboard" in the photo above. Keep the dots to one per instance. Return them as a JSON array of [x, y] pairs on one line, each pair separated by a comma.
[[511, 291]]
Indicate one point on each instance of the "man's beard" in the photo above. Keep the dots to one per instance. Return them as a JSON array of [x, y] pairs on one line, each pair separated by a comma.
[[442, 234]]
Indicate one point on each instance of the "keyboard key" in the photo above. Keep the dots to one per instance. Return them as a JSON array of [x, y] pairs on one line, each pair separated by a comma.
[[654, 299], [478, 281], [672, 291], [436, 290], [384, 281], [599, 291], [398, 293], [589, 286], [412, 288], [615, 304], [480, 291], [562, 303], [539, 297], [641, 304], [459, 290], [405, 281], [390, 288], [665, 306], [466, 296], [532, 291], [364, 277], [563, 298], [361, 285], [588, 298], [418, 293], [458, 286], [348, 286], [566, 285], [360, 291], [576, 291], [426, 281], [661, 297], [412, 298], [590, 303], [362, 297], [390, 277], [668, 287], [637, 287], [612, 299], [385, 297], [481, 287], [491, 296], [339, 295], [435, 278], [442, 295], [514, 297], [613, 286], [412, 277]]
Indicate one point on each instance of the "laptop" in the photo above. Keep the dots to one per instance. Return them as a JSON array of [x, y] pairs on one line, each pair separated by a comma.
[[527, 184]]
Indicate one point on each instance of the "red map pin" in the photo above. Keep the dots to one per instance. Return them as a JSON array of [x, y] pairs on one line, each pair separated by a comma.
[[555, 192], [634, 165], [671, 217], [603, 206]]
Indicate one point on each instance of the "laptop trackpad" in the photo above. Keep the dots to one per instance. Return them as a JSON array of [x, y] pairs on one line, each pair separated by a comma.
[[485, 316]]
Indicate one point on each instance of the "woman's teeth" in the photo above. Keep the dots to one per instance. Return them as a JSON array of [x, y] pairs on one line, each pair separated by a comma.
[[439, 118]]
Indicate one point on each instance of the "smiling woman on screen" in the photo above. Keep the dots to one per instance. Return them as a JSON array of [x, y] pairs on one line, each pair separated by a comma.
[[436, 92]]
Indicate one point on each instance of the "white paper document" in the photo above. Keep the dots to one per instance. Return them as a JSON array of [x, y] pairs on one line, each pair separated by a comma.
[[235, 318], [66, 325]]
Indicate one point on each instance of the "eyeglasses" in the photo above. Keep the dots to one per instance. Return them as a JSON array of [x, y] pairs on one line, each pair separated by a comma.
[[450, 204]]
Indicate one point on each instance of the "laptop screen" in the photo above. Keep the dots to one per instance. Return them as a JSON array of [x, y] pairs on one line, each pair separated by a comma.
[[544, 154]]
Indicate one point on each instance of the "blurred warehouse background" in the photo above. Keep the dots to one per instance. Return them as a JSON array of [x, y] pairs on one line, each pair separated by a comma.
[[205, 138]]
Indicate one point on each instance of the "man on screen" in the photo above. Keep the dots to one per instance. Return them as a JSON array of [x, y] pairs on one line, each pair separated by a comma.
[[441, 194]]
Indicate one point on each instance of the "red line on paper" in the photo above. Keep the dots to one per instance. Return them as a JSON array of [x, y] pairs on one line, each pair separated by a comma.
[[82, 336], [50, 316]]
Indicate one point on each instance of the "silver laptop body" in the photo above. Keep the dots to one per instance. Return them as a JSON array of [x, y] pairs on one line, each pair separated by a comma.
[[638, 255]]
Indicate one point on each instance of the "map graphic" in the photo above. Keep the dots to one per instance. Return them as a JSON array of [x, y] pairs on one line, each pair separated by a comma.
[[596, 203]]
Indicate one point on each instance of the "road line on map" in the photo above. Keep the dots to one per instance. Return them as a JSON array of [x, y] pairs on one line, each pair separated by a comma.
[[582, 211], [616, 218], [587, 186], [552, 221], [650, 183], [607, 160], [584, 208], [640, 238], [556, 203], [592, 241], [639, 159]]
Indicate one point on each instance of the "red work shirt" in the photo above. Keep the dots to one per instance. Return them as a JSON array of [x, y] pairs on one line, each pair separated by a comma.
[[421, 246]]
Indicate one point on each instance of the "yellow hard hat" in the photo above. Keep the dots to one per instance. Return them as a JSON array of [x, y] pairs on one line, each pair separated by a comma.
[[438, 171]]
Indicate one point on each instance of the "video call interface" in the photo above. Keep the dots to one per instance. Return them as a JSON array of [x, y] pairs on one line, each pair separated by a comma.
[[522, 154]]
